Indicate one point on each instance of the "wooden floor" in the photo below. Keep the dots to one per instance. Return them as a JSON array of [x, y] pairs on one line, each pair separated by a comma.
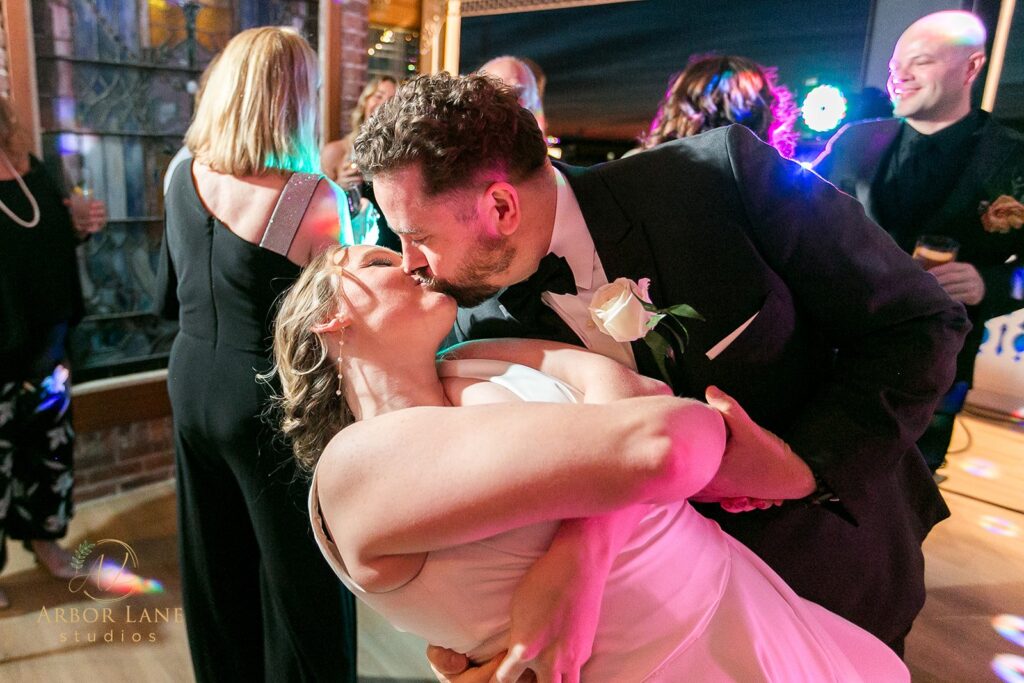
[[975, 573]]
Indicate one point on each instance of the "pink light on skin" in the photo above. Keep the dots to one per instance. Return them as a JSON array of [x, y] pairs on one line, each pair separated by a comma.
[[1009, 668], [1011, 627], [999, 526], [985, 469]]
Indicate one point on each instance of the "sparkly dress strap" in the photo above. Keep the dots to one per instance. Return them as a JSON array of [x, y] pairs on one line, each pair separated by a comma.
[[291, 207]]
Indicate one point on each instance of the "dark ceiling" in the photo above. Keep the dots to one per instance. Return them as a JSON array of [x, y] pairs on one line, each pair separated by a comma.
[[608, 65]]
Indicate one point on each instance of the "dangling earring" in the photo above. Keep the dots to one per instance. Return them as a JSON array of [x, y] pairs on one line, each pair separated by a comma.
[[338, 390]]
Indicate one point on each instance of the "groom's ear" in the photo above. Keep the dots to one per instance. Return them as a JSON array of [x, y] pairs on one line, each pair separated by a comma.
[[502, 207]]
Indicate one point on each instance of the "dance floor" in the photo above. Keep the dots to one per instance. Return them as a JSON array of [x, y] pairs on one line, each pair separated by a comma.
[[972, 624]]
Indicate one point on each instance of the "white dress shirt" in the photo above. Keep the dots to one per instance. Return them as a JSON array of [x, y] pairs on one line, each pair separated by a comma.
[[571, 240]]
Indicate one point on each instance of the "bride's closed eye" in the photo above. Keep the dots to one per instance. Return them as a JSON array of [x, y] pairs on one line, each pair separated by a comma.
[[379, 260]]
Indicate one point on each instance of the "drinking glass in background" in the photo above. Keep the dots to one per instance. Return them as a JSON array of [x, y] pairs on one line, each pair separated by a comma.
[[89, 214], [934, 250]]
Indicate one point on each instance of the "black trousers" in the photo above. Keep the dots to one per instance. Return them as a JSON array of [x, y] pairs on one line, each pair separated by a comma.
[[260, 601]]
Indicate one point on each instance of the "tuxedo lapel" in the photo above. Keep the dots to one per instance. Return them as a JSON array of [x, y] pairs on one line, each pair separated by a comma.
[[621, 245]]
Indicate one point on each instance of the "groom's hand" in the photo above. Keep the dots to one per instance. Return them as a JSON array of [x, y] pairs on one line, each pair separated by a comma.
[[756, 464]]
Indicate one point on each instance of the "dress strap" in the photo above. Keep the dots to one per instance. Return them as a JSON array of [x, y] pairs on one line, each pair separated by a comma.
[[291, 207]]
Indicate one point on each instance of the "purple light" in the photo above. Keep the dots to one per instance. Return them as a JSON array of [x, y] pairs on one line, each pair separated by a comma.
[[1009, 668], [999, 526], [67, 143], [985, 469], [1011, 627]]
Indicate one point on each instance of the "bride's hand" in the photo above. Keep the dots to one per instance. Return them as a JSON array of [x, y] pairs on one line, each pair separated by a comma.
[[555, 611], [556, 607]]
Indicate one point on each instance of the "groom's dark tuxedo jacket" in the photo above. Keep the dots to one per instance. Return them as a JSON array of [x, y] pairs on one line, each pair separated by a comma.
[[851, 347], [855, 160]]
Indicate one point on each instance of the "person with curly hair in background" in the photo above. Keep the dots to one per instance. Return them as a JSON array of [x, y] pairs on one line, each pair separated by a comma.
[[242, 218], [720, 90]]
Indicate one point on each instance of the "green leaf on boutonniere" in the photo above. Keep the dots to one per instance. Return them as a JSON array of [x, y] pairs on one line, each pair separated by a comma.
[[684, 311], [679, 340], [655, 319], [661, 350]]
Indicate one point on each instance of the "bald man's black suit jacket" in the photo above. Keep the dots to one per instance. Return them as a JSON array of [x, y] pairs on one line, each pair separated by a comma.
[[851, 348], [855, 161]]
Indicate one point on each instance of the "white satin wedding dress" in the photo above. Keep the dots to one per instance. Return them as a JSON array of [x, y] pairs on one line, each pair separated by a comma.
[[683, 602]]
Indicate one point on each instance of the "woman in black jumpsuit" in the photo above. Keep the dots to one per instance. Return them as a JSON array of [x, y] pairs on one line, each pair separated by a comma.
[[260, 603]]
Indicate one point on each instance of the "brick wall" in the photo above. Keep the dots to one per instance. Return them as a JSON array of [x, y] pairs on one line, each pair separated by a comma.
[[354, 27], [121, 458]]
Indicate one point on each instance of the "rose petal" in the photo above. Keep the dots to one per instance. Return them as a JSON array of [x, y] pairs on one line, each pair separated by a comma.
[[642, 289]]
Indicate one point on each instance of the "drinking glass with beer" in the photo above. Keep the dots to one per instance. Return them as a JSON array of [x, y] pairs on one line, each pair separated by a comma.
[[934, 250]]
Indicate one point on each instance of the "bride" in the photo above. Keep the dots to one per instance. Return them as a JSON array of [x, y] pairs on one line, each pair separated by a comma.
[[435, 517]]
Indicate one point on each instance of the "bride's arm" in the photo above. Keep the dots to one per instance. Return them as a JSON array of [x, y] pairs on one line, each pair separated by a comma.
[[758, 466], [421, 479]]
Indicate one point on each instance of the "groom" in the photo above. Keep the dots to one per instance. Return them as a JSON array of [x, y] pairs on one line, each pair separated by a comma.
[[815, 321]]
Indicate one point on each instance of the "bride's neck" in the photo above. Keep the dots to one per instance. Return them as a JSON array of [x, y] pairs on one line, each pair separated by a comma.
[[374, 388]]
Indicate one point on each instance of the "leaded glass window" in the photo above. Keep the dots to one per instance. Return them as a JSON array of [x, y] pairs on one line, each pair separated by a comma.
[[115, 81]]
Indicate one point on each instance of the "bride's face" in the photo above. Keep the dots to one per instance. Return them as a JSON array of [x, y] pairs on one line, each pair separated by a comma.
[[385, 304]]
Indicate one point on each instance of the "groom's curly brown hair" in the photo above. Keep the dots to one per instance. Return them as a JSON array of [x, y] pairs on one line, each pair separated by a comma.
[[456, 129]]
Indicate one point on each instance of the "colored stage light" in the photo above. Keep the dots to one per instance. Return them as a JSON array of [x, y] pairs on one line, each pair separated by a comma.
[[823, 108], [999, 526], [117, 580], [1011, 627], [1009, 668], [986, 469]]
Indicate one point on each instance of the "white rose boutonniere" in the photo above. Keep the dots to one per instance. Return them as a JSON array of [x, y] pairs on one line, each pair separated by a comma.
[[623, 310], [618, 309]]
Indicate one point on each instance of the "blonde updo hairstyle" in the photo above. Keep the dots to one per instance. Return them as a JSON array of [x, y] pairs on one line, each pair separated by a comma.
[[311, 410]]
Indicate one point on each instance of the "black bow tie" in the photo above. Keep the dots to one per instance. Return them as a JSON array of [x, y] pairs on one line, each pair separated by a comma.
[[553, 274], [524, 305]]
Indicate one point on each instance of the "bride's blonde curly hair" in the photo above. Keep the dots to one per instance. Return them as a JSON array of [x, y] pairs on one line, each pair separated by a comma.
[[312, 411]]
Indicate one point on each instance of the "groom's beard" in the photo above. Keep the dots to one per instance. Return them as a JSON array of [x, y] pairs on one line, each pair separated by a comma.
[[469, 287]]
